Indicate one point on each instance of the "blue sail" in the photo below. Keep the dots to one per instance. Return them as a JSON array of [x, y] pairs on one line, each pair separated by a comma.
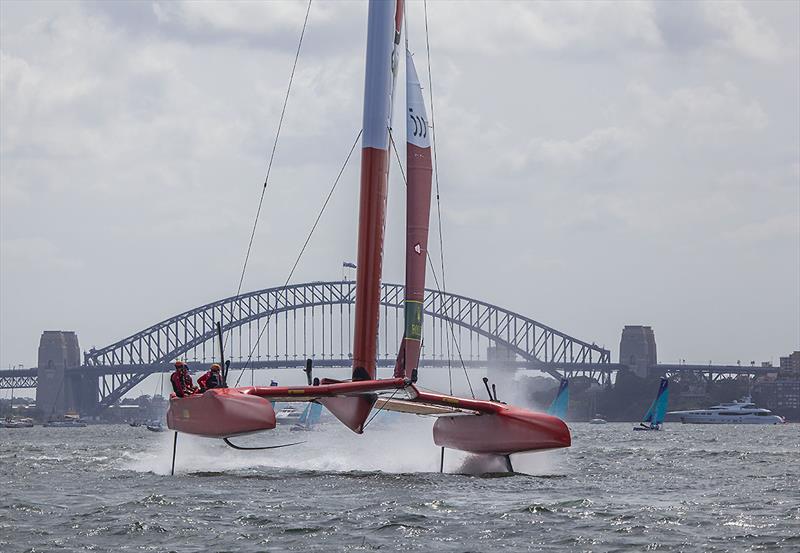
[[658, 409], [559, 406], [310, 415], [315, 412]]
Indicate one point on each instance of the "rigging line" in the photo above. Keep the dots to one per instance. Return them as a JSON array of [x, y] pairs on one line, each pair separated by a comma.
[[375, 414], [439, 289], [438, 202], [303, 249], [272, 155], [453, 334], [436, 169]]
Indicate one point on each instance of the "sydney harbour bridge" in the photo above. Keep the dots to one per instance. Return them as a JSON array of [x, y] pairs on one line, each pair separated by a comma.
[[283, 326]]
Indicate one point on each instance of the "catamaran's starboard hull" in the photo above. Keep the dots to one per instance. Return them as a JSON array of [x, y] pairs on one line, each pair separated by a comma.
[[220, 413], [511, 430]]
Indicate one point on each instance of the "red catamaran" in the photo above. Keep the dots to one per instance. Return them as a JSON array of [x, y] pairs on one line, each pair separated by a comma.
[[471, 425]]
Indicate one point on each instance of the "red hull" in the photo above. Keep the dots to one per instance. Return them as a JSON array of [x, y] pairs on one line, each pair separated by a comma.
[[511, 430], [220, 413], [225, 412], [352, 411]]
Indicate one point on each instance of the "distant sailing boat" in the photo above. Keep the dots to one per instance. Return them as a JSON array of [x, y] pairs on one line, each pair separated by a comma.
[[71, 419], [15, 422], [654, 416], [309, 417], [466, 424], [558, 408]]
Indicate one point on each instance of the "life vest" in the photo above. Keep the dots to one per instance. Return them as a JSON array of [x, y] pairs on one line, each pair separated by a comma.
[[177, 383], [210, 380], [188, 384]]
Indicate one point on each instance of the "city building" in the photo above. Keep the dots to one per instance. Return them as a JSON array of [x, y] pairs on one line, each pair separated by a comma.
[[780, 390]]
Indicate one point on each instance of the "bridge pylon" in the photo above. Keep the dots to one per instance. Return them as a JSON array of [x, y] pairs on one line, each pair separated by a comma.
[[58, 389]]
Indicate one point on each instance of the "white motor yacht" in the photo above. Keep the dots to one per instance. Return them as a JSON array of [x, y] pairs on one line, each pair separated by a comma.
[[288, 415], [70, 420], [16, 422], [735, 412], [598, 419]]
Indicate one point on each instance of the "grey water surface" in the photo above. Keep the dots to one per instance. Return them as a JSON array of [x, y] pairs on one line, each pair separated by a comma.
[[689, 488]]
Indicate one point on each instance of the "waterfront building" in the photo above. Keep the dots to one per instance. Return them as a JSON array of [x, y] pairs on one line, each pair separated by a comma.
[[779, 391]]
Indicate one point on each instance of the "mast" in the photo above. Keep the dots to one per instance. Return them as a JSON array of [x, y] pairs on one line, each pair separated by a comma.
[[383, 38], [418, 209]]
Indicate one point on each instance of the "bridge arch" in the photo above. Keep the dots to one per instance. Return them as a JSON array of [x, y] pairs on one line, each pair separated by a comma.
[[193, 332]]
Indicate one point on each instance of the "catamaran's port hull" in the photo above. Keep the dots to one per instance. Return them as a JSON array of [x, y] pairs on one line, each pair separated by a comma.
[[220, 413], [509, 431]]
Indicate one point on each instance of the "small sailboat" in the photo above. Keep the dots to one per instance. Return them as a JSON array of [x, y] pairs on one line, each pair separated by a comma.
[[309, 417], [472, 425], [15, 422], [654, 416], [156, 426], [558, 408]]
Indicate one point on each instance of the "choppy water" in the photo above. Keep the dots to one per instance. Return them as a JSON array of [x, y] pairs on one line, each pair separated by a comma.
[[691, 488]]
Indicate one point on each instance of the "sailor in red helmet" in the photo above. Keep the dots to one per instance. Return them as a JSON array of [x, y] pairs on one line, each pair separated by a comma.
[[182, 383], [211, 379]]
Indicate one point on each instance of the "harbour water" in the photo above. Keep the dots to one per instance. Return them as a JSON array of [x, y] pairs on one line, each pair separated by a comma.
[[689, 488]]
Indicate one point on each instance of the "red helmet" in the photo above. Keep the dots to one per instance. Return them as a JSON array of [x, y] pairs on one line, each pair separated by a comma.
[[215, 367], [179, 364]]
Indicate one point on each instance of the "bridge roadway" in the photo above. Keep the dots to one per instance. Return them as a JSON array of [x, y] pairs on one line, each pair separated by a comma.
[[27, 378]]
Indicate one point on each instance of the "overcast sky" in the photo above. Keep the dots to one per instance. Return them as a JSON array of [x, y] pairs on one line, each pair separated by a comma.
[[601, 164]]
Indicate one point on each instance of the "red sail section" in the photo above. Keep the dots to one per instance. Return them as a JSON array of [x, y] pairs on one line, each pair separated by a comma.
[[418, 209], [372, 213], [383, 38]]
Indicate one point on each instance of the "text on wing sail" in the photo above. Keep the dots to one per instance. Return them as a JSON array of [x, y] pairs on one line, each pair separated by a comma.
[[420, 124]]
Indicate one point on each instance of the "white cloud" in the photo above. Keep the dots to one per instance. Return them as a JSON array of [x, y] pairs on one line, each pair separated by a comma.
[[698, 113], [778, 227], [242, 17], [704, 110], [37, 254], [741, 32], [597, 145], [587, 27]]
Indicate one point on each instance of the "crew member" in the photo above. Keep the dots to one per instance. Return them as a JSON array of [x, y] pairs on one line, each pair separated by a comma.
[[188, 384], [181, 381], [211, 379]]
